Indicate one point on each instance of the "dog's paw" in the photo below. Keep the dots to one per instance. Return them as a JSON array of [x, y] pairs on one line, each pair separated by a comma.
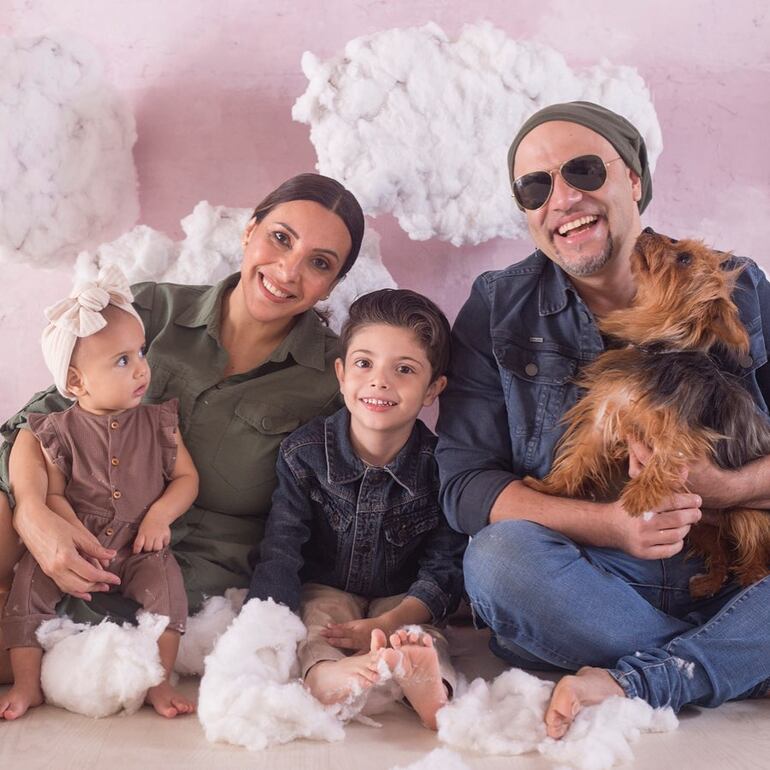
[[704, 586]]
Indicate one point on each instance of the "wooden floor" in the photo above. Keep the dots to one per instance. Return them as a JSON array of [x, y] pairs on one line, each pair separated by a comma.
[[734, 737]]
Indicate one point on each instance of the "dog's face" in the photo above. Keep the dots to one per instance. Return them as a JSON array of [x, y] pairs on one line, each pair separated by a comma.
[[683, 297]]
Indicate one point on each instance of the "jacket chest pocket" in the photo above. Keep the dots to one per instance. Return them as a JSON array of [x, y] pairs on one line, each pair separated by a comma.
[[409, 523], [535, 382], [335, 513], [248, 447]]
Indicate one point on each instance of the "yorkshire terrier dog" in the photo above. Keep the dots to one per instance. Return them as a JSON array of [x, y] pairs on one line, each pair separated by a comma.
[[670, 388]]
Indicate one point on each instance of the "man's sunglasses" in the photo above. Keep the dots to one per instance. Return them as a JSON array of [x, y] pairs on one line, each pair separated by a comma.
[[586, 173]]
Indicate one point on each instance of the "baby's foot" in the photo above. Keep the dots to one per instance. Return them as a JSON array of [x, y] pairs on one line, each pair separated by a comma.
[[167, 701], [418, 673], [334, 681], [589, 687], [19, 699]]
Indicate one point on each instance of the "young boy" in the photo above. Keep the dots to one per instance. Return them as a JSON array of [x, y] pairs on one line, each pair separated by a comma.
[[355, 539]]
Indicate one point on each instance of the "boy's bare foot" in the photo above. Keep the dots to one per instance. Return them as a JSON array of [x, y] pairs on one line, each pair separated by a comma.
[[333, 681], [167, 701], [19, 699], [589, 687], [418, 673]]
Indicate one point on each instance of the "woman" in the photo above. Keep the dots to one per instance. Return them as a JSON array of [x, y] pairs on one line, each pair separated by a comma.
[[249, 361]]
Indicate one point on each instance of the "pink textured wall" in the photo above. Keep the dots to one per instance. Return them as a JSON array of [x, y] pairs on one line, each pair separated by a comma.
[[212, 85]]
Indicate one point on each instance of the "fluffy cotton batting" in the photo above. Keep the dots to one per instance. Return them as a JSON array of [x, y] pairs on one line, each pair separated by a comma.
[[418, 125], [506, 717], [100, 670], [249, 694], [67, 174], [212, 249], [204, 628], [438, 759]]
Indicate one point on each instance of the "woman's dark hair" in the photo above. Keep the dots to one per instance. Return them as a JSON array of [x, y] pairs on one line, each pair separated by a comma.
[[404, 309], [331, 195]]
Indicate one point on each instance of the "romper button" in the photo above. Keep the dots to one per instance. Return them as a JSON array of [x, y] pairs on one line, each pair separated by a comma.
[[531, 369], [115, 461], [117, 494], [109, 531], [746, 362], [114, 424]]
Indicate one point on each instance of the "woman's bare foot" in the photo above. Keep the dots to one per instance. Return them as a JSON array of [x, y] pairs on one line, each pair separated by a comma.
[[19, 699], [418, 673], [589, 687], [167, 701]]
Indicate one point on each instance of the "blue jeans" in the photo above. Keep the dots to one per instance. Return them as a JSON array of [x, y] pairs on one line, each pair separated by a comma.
[[554, 604]]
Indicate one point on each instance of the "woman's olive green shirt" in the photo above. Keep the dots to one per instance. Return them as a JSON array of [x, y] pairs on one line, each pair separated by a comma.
[[232, 426]]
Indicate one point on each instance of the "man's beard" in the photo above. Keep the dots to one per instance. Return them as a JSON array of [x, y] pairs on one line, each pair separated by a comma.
[[592, 264]]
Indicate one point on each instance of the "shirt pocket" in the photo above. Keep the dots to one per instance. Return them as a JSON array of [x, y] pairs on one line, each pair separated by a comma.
[[159, 385], [535, 382], [248, 447]]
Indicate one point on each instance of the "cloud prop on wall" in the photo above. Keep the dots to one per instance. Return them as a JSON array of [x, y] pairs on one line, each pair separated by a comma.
[[418, 125], [212, 250], [67, 175]]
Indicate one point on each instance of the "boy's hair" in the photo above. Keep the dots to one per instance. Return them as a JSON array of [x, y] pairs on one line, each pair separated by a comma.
[[404, 309]]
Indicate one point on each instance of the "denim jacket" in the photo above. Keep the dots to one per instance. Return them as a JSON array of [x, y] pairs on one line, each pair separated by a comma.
[[365, 530], [517, 344]]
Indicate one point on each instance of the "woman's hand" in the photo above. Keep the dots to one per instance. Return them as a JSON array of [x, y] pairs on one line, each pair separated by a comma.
[[70, 555]]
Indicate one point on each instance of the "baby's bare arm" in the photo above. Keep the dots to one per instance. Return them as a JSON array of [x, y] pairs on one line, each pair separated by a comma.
[[154, 531]]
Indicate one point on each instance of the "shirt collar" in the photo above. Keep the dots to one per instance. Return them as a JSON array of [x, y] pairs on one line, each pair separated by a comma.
[[553, 287], [306, 343], [345, 466]]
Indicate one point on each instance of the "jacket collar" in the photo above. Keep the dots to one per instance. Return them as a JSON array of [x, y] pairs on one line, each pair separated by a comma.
[[305, 343], [344, 466]]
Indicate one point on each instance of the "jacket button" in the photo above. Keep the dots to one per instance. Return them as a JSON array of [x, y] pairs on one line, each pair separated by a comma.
[[117, 494], [531, 369]]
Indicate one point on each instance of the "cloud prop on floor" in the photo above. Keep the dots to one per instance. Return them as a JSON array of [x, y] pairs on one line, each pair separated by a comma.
[[100, 670], [212, 250], [67, 175], [513, 707], [418, 125]]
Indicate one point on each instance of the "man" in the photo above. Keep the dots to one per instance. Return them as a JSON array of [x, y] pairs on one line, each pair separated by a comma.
[[575, 584]]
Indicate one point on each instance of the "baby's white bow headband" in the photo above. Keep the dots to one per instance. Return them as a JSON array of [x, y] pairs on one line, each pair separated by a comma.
[[80, 315]]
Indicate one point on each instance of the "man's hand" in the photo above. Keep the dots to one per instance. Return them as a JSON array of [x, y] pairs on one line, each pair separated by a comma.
[[356, 634], [70, 555], [658, 534], [702, 477], [154, 534]]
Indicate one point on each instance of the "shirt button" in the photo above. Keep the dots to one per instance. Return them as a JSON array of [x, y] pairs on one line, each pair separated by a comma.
[[109, 531], [117, 494], [746, 362], [531, 369], [115, 461], [114, 425], [266, 423]]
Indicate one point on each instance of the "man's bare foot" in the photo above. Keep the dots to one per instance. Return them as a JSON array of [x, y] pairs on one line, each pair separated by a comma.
[[418, 673], [167, 701], [19, 699], [333, 681], [589, 687]]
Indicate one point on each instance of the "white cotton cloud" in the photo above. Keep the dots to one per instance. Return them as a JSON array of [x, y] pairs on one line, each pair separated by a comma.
[[67, 175], [204, 628], [212, 250], [514, 706], [250, 695], [418, 125], [100, 670]]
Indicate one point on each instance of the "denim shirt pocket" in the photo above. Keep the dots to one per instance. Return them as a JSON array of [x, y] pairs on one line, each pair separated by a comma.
[[248, 446], [756, 359]]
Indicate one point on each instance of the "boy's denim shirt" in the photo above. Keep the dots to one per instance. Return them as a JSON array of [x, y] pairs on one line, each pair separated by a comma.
[[365, 530], [517, 345]]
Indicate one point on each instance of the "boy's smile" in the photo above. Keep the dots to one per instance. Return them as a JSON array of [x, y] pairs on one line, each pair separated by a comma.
[[385, 381]]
